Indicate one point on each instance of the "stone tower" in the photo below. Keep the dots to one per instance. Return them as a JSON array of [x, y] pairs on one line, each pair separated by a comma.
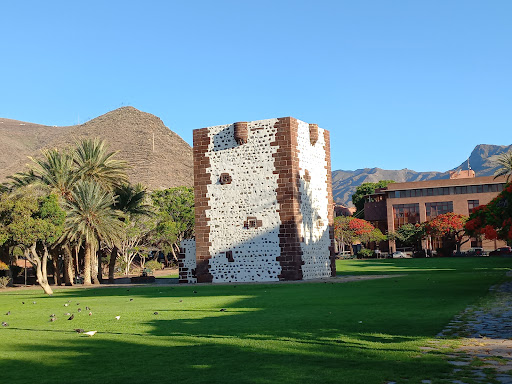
[[263, 203]]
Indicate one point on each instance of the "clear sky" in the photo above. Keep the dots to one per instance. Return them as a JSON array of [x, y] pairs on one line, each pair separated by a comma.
[[399, 83]]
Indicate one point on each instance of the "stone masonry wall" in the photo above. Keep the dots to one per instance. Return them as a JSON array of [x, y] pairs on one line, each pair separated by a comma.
[[315, 207], [240, 252], [263, 202], [187, 261]]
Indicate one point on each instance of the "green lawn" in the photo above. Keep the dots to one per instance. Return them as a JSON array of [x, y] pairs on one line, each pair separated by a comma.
[[360, 332]]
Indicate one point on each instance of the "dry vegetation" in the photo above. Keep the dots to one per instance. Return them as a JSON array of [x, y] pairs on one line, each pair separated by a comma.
[[126, 129]]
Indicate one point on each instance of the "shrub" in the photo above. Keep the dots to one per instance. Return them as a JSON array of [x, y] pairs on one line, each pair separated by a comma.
[[154, 265], [4, 281], [365, 253]]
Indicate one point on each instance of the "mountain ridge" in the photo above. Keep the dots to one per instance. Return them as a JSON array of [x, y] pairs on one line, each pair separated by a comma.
[[482, 161], [158, 157]]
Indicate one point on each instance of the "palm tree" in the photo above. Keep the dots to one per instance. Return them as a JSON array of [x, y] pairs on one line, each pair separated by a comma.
[[91, 219], [95, 163], [53, 173], [131, 200], [505, 165]]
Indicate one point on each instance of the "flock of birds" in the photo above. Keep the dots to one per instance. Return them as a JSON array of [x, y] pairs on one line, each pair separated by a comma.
[[71, 316]]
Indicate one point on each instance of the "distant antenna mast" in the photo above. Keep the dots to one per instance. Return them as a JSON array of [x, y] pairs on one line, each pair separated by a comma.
[[469, 167], [153, 141]]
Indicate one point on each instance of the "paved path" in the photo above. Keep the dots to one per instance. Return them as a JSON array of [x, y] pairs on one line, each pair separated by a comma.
[[485, 352]]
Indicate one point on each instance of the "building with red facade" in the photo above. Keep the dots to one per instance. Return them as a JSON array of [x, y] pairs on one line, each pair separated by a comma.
[[420, 201]]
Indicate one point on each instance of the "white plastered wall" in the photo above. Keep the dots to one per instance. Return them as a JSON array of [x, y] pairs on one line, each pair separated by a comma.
[[251, 193], [314, 205], [189, 262]]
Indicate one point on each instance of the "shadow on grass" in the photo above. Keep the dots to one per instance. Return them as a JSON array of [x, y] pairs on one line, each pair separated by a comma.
[[361, 332]]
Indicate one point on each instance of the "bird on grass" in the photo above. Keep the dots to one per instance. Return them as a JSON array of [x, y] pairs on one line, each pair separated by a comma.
[[8, 313], [77, 303], [52, 315], [90, 333], [79, 309], [33, 302], [223, 310], [79, 330], [131, 299], [156, 313], [87, 308], [90, 313], [67, 314], [194, 291], [71, 317], [52, 319], [4, 324], [118, 317], [66, 304]]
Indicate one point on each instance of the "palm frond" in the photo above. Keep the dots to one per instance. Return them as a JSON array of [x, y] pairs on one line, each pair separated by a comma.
[[504, 162], [95, 163]]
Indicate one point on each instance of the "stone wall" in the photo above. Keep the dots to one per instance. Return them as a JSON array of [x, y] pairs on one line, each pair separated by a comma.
[[263, 203]]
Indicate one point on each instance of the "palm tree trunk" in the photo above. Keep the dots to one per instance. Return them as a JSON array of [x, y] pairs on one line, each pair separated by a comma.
[[56, 268], [94, 267], [87, 263], [68, 265], [112, 264]]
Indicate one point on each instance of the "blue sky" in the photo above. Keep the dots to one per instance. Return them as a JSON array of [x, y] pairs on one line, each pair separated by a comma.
[[400, 84]]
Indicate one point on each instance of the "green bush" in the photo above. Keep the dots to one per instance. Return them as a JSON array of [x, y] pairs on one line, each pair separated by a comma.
[[365, 254], [154, 265]]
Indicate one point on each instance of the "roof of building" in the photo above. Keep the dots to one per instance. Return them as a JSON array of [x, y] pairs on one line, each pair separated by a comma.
[[446, 183]]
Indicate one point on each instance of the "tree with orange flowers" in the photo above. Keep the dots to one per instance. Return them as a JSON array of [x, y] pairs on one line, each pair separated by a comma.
[[494, 220], [348, 230], [449, 226]]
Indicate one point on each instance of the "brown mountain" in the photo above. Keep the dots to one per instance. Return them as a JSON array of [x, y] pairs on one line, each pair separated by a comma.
[[482, 161], [166, 163]]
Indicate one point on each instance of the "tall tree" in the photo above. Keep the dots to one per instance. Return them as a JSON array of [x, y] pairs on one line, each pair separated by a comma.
[[409, 235], [95, 163], [494, 220], [34, 224], [348, 230], [449, 226], [364, 190], [132, 201], [54, 173], [175, 218], [91, 219]]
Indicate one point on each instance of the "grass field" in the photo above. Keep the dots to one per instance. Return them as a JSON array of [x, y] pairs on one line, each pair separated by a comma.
[[360, 332]]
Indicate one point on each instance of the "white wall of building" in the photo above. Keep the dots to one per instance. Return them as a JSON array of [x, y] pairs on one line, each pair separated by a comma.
[[314, 205]]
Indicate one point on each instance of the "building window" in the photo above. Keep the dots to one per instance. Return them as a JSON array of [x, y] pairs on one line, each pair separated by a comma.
[[406, 213], [225, 178], [252, 222], [441, 191], [438, 208], [475, 242], [472, 204]]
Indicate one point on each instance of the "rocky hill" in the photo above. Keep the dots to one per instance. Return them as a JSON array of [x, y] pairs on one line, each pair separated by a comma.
[[168, 162], [165, 164], [344, 183]]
